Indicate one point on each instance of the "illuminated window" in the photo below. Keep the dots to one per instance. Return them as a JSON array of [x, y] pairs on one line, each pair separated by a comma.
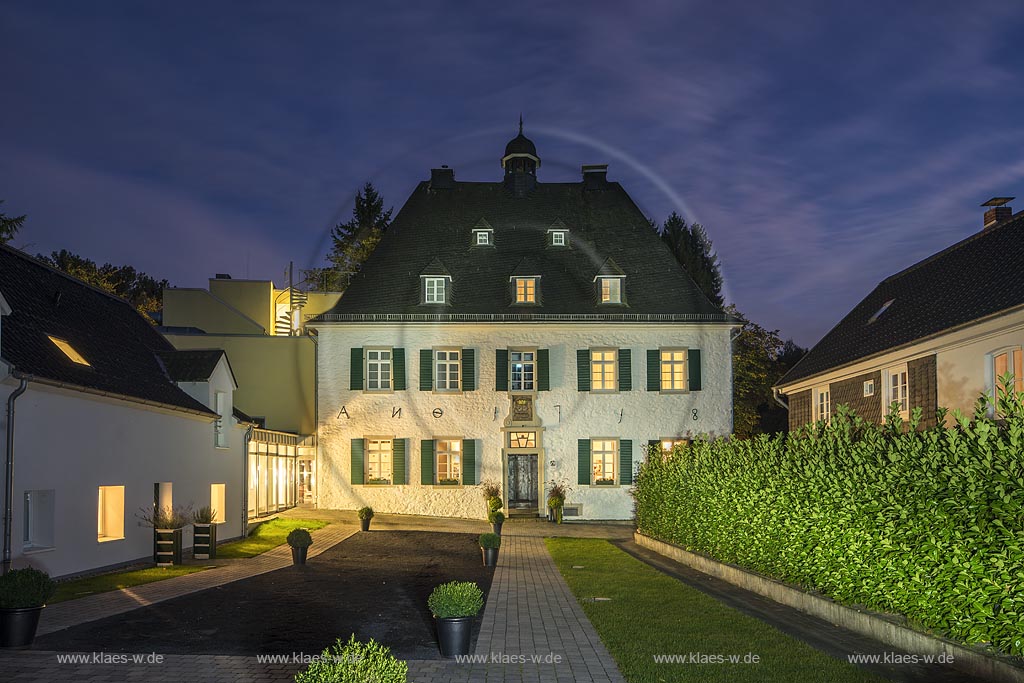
[[559, 238], [611, 290], [69, 351], [1008, 362], [603, 369], [602, 457], [447, 368], [378, 461], [483, 238], [110, 514], [670, 442], [218, 502], [449, 461], [822, 404], [378, 369], [869, 388], [434, 290], [526, 290], [522, 367], [522, 439], [673, 370], [895, 391]]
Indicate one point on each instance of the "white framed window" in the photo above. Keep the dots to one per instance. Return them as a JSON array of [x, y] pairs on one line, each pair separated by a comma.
[[869, 388], [39, 520], [448, 453], [526, 290], [447, 370], [822, 404], [220, 432], [895, 390], [559, 238], [522, 370], [110, 514], [604, 369], [673, 369], [611, 290], [378, 369], [68, 350], [483, 238], [379, 460], [434, 290], [603, 459], [218, 502], [1007, 362]]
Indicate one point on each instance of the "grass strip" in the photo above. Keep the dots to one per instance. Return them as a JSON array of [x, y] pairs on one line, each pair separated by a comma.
[[266, 536], [650, 614], [102, 583]]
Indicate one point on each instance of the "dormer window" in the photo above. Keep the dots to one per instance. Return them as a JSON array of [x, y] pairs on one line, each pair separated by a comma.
[[69, 351], [434, 290], [611, 290], [483, 238], [559, 238], [525, 290]]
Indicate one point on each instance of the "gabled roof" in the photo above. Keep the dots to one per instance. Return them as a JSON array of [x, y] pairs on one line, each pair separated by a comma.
[[609, 269], [192, 365], [526, 266], [436, 226], [973, 279], [435, 267], [119, 345]]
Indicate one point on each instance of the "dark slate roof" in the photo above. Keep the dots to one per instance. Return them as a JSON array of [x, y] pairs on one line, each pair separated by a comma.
[[521, 144], [973, 279], [190, 365], [120, 346], [437, 225], [243, 417], [609, 269], [435, 267]]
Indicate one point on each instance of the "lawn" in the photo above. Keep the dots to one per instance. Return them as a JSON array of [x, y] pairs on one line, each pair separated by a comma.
[[651, 614], [79, 588], [266, 536]]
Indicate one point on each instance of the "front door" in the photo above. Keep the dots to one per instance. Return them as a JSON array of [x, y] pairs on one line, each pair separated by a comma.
[[522, 480]]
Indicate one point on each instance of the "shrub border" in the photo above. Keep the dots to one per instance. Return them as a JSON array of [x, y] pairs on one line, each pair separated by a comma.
[[980, 664]]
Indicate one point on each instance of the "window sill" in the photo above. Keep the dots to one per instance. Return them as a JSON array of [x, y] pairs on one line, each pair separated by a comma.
[[448, 486], [673, 391], [604, 391], [108, 539], [380, 391], [448, 392], [37, 549]]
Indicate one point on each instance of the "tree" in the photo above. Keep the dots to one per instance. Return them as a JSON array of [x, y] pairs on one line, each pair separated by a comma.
[[692, 248], [9, 226], [140, 290], [353, 242]]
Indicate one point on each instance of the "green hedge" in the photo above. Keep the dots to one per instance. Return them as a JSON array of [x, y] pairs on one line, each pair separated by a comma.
[[924, 523]]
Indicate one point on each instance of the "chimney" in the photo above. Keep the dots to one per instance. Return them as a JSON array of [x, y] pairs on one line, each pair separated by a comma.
[[222, 276], [442, 178], [998, 212], [595, 176]]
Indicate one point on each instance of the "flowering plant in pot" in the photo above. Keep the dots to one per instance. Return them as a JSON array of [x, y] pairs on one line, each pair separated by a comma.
[[496, 518], [556, 501], [365, 515], [204, 533], [168, 524], [489, 544], [491, 489], [23, 594], [454, 605], [299, 540]]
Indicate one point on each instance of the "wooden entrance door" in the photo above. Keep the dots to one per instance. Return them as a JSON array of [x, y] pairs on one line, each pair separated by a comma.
[[522, 480]]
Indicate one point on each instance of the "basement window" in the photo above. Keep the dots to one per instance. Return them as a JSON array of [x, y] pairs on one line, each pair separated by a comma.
[[69, 351]]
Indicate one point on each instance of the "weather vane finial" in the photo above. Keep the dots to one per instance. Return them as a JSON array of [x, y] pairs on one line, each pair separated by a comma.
[[520, 123]]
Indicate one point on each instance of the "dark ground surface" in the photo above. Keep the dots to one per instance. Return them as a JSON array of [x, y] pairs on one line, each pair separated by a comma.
[[373, 584]]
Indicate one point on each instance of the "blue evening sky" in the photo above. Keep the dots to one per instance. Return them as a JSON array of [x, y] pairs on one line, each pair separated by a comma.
[[824, 145]]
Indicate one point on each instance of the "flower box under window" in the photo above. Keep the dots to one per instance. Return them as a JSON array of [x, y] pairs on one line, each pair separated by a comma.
[[378, 482], [448, 482], [604, 482]]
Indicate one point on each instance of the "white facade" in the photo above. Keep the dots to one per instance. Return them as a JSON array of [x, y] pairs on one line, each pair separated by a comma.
[[563, 414]]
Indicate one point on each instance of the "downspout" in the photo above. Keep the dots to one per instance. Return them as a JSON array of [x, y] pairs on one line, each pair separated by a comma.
[[245, 482], [9, 489], [316, 417], [775, 395]]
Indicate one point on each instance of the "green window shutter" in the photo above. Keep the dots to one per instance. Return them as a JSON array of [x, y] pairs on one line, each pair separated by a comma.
[[583, 373], [398, 368], [625, 461], [399, 465], [543, 379], [653, 370], [468, 370], [358, 446], [426, 462], [625, 370], [356, 374], [583, 477], [469, 462], [693, 369], [501, 370], [426, 369]]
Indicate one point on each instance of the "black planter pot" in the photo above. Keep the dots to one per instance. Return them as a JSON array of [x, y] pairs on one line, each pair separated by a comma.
[[18, 626], [454, 634], [204, 543], [299, 555], [167, 547], [496, 527], [364, 524], [490, 556]]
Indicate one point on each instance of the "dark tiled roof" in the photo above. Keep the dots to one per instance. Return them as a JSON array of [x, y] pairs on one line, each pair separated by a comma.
[[521, 144], [436, 225], [120, 346], [243, 417], [975, 278], [191, 365]]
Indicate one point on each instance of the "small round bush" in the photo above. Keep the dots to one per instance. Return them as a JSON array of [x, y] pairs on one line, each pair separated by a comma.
[[355, 662], [365, 513], [495, 503], [490, 541], [456, 599], [299, 538], [496, 517], [21, 588]]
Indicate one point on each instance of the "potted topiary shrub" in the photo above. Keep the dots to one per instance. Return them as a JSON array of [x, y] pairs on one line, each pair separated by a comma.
[[168, 524], [494, 503], [496, 518], [23, 594], [365, 515], [204, 534], [489, 544], [454, 605], [355, 661], [299, 540]]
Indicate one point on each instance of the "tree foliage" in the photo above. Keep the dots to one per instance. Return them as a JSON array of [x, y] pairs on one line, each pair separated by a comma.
[[9, 226], [692, 248], [143, 292], [352, 242]]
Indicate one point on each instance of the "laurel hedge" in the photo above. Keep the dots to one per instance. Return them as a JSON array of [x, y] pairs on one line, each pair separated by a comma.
[[926, 523]]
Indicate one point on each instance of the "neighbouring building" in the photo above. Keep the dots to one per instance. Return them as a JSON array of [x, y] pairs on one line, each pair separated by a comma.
[[261, 328], [516, 331], [935, 335], [104, 420]]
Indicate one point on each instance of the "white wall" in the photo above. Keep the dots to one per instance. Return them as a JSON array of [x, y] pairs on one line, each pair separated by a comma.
[[74, 443], [645, 415]]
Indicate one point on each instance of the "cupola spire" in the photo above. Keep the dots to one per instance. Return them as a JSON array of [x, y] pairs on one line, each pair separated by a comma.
[[520, 163]]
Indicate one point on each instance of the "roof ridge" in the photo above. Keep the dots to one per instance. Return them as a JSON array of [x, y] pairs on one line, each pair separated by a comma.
[[18, 253]]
